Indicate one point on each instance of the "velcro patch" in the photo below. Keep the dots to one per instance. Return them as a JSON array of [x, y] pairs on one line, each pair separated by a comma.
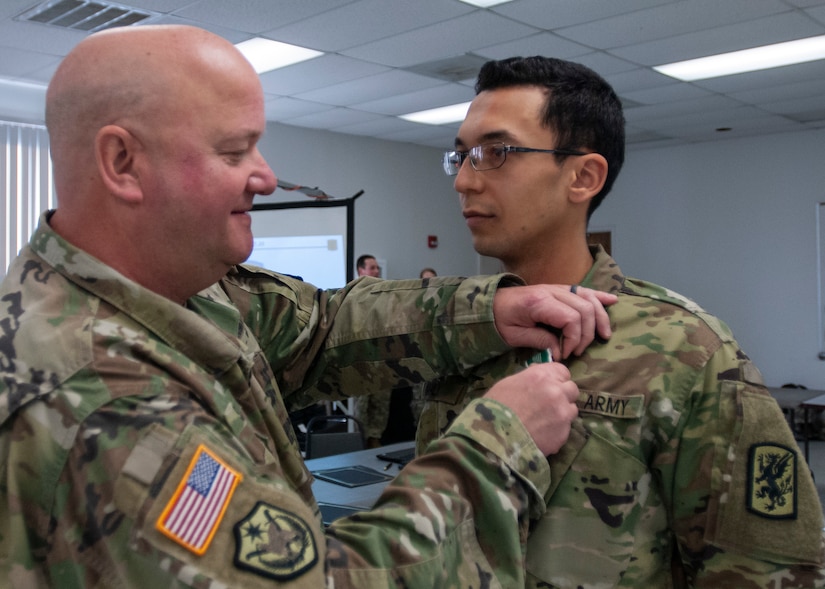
[[274, 543], [772, 481], [194, 512]]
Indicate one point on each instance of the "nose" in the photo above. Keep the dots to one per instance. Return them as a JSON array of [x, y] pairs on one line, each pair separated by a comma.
[[467, 178], [263, 179]]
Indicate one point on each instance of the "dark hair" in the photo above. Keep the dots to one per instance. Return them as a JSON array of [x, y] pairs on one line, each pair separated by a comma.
[[362, 260], [581, 108]]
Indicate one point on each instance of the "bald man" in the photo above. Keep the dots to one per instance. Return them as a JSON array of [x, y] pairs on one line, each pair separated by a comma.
[[145, 374]]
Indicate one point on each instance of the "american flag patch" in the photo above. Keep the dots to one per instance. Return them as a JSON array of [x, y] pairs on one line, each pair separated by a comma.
[[192, 516]]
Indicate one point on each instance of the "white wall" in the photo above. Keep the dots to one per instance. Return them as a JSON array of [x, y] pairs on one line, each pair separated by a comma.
[[730, 224], [406, 195]]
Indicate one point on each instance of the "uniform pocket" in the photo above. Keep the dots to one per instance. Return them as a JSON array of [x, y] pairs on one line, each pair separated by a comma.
[[595, 514]]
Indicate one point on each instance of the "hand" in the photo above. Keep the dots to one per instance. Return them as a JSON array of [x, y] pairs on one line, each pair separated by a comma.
[[524, 313], [544, 399]]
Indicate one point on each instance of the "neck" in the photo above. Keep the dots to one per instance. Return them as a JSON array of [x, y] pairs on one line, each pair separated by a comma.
[[120, 252], [563, 264]]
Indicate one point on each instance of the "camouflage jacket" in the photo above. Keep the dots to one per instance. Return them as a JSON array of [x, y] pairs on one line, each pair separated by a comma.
[[681, 470], [147, 444]]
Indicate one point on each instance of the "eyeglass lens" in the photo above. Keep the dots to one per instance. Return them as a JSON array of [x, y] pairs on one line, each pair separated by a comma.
[[482, 157]]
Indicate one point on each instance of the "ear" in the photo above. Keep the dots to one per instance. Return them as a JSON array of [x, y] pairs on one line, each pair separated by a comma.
[[590, 175], [115, 150]]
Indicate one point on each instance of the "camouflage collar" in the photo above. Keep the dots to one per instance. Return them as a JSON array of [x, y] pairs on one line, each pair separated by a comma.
[[605, 274]]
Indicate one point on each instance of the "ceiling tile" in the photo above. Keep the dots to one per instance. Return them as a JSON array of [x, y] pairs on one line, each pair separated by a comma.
[[538, 44], [817, 13], [451, 37], [317, 73], [29, 36], [812, 107], [16, 63], [790, 91], [637, 79], [332, 118], [663, 94], [805, 3], [383, 85], [635, 135], [162, 6], [379, 127], [255, 16], [605, 64], [744, 35], [283, 108], [356, 88], [420, 100], [707, 106], [43, 75], [779, 76], [366, 21], [437, 136], [564, 14], [702, 127], [668, 20], [231, 35], [11, 8]]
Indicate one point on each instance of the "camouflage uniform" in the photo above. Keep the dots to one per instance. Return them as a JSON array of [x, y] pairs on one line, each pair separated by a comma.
[[420, 393], [147, 444], [681, 470], [374, 412]]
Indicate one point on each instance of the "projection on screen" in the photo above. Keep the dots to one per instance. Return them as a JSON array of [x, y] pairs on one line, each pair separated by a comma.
[[309, 242]]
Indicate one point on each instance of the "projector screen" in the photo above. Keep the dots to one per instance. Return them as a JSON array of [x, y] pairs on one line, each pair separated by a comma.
[[311, 240]]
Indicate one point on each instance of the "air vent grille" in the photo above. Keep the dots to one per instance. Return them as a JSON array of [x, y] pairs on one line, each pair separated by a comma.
[[453, 69], [83, 15]]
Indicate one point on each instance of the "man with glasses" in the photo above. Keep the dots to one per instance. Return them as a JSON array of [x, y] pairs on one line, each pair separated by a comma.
[[146, 373], [681, 470]]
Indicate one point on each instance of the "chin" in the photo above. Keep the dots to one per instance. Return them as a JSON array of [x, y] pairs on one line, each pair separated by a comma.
[[241, 247], [235, 256], [484, 248]]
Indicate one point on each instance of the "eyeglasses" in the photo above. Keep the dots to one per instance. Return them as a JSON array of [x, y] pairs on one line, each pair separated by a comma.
[[490, 156]]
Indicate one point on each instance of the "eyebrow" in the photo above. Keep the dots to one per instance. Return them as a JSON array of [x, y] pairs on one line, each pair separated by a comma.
[[490, 136], [242, 135]]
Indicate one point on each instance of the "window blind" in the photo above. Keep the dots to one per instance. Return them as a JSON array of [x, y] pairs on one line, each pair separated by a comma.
[[27, 184]]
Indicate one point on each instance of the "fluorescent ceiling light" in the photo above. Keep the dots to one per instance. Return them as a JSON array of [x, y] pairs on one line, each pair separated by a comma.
[[23, 85], [747, 60], [439, 116], [485, 3], [266, 55]]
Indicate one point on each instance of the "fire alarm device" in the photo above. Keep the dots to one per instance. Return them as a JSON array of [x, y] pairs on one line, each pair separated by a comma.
[[432, 241]]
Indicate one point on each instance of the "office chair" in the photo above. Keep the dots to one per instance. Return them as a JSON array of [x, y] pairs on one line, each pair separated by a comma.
[[328, 434]]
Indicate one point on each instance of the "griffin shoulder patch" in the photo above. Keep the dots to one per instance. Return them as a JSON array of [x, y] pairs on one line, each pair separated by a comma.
[[772, 481]]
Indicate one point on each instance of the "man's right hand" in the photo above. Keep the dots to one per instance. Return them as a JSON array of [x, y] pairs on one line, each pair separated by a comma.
[[544, 399]]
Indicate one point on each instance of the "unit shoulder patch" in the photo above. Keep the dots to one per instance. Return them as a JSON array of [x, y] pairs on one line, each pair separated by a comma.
[[772, 481], [274, 543]]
